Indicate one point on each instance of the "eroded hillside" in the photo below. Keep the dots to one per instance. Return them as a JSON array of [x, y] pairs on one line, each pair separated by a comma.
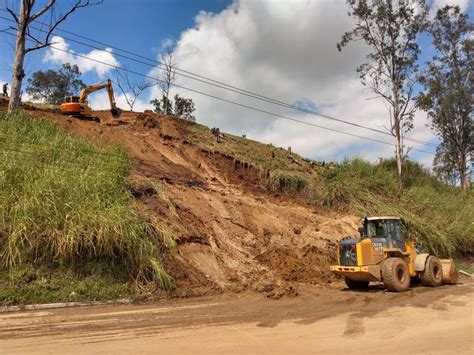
[[236, 215], [232, 232]]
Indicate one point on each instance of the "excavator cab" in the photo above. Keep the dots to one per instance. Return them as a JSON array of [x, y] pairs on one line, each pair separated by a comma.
[[71, 106], [78, 106]]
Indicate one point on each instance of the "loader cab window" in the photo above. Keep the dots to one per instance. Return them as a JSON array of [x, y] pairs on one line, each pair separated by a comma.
[[377, 229], [398, 231]]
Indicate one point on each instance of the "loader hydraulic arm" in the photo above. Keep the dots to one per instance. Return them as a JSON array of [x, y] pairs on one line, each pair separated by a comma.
[[93, 88]]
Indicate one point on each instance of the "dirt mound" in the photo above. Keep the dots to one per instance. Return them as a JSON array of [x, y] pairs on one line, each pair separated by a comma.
[[231, 233], [306, 264]]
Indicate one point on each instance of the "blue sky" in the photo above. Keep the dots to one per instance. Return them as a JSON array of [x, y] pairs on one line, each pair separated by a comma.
[[284, 49], [138, 26]]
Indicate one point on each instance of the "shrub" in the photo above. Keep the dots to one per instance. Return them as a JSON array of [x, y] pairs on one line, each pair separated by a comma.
[[287, 182]]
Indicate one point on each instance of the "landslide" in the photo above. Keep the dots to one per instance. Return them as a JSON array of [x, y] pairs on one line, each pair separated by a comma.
[[234, 231], [251, 216]]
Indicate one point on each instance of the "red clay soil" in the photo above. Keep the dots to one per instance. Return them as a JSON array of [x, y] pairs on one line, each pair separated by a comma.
[[232, 235]]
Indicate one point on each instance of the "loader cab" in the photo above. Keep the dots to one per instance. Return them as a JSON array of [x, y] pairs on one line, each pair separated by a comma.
[[385, 230]]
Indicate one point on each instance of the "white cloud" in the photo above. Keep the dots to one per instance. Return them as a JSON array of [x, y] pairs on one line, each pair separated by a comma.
[[287, 51], [85, 65], [463, 4], [100, 101], [167, 43]]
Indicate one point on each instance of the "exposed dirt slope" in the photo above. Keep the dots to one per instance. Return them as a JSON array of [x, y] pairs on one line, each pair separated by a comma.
[[231, 233]]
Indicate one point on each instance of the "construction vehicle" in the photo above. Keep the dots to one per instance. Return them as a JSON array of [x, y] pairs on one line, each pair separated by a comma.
[[78, 106], [382, 254]]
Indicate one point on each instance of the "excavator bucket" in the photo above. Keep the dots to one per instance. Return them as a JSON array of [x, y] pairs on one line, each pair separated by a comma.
[[450, 273], [116, 112]]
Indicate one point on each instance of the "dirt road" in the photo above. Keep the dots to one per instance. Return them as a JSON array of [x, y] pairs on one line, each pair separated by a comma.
[[423, 320]]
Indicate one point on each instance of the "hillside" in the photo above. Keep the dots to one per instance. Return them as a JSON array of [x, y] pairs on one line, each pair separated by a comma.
[[240, 215]]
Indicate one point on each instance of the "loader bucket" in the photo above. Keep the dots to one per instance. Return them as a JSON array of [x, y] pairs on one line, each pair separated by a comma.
[[450, 273]]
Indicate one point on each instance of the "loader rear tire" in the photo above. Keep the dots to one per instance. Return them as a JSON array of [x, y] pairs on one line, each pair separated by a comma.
[[433, 274], [395, 275], [357, 285]]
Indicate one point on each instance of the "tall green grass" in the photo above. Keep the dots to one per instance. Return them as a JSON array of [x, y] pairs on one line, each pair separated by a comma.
[[439, 215], [64, 199]]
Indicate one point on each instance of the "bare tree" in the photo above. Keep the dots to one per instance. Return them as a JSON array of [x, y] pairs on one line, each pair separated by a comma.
[[390, 29], [131, 90], [23, 21], [168, 76]]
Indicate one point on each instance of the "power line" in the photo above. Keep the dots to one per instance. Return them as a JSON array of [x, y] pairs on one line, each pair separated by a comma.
[[87, 151], [48, 163], [69, 163], [67, 169], [230, 101], [219, 84], [124, 159]]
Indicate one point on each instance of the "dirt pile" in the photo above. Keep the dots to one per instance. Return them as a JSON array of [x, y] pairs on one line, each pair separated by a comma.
[[231, 233]]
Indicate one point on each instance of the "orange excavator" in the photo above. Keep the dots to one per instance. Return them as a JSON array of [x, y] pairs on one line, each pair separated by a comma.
[[78, 106]]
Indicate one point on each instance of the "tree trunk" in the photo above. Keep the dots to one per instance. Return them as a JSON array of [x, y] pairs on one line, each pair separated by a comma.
[[18, 72], [398, 138], [463, 172], [398, 155], [463, 157], [166, 93]]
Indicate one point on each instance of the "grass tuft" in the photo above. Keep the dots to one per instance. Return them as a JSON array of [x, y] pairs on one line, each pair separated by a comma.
[[282, 181]]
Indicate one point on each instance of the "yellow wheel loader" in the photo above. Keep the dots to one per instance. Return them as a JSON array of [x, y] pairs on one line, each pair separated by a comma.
[[382, 254], [78, 106]]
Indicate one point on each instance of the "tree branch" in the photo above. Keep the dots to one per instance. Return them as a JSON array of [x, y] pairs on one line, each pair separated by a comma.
[[13, 14], [42, 11], [79, 4]]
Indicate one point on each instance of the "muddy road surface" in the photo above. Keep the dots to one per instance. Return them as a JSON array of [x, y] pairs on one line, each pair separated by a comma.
[[334, 320]]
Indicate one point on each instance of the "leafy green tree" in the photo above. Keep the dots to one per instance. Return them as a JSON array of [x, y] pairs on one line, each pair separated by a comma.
[[449, 93], [445, 166], [52, 86], [184, 108], [163, 106], [390, 29]]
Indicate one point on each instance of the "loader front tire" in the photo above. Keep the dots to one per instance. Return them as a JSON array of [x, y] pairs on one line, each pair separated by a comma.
[[356, 285], [433, 274], [395, 275]]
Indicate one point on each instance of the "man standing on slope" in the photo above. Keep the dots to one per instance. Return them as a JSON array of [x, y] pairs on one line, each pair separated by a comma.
[[5, 89]]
